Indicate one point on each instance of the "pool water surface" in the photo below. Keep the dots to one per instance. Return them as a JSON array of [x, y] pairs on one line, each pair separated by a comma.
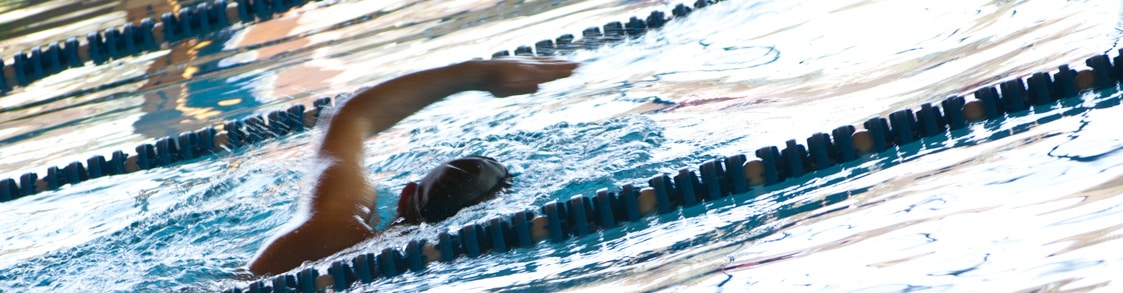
[[1023, 203]]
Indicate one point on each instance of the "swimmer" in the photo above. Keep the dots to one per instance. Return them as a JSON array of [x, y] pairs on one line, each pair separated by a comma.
[[341, 207]]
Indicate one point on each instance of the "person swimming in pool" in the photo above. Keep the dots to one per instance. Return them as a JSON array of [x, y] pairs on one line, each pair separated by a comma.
[[342, 199]]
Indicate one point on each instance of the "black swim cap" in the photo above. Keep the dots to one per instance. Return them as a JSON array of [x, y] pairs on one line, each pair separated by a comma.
[[452, 186]]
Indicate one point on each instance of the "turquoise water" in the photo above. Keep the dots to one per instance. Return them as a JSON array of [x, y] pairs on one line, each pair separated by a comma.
[[1025, 203]]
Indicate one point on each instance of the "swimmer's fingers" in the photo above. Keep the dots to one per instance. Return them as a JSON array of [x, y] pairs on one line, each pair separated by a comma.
[[510, 77], [512, 89], [544, 72], [545, 65], [541, 65], [530, 59]]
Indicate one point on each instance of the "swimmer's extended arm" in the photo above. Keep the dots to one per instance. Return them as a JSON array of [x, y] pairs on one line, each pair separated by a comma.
[[383, 106], [342, 199]]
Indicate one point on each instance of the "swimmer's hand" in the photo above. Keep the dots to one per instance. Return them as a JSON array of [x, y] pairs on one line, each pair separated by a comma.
[[518, 75]]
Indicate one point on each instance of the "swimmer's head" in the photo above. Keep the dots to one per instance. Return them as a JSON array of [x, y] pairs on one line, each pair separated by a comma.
[[450, 187]]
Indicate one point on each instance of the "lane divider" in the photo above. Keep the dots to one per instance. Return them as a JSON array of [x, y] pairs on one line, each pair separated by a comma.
[[169, 151], [133, 39]]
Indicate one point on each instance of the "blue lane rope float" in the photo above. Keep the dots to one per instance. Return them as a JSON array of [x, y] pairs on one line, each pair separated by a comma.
[[132, 39], [169, 151]]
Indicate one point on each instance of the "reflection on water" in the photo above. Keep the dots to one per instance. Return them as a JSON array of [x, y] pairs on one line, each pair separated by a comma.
[[28, 23], [185, 106], [1026, 203]]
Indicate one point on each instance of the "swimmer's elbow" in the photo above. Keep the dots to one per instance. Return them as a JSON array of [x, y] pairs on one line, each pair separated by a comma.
[[269, 262], [315, 239], [280, 254], [262, 267]]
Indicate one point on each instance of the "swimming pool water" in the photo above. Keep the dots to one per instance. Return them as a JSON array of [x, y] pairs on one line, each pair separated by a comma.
[[1025, 203]]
